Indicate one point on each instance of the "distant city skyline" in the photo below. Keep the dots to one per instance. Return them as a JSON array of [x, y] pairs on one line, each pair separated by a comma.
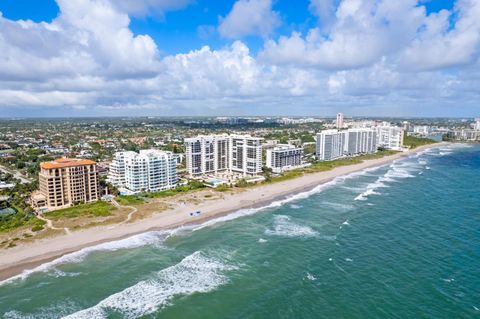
[[78, 58]]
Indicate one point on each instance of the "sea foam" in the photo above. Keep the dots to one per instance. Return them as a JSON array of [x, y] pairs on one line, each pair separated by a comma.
[[283, 226], [136, 241], [196, 273], [157, 237]]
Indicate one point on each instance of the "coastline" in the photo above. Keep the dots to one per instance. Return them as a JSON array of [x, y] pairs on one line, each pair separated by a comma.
[[28, 256]]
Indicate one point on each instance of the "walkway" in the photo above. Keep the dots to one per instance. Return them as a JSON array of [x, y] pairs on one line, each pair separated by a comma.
[[130, 215], [50, 224]]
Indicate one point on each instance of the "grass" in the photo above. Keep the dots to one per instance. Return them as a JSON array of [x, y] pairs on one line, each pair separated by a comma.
[[328, 165], [178, 190], [222, 188], [20, 219], [414, 142], [97, 209], [127, 200]]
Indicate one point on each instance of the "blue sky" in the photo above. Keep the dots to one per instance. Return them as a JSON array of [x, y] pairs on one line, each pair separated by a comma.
[[303, 57]]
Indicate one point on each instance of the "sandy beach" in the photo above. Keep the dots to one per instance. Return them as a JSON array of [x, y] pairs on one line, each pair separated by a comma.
[[26, 256]]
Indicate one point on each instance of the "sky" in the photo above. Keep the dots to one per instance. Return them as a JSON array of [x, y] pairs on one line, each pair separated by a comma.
[[239, 57]]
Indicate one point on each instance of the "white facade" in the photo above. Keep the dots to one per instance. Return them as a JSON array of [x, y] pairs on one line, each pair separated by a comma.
[[330, 144], [284, 157], [361, 141], [246, 154], [339, 122], [207, 154], [390, 137], [421, 129], [146, 171], [212, 154], [476, 126]]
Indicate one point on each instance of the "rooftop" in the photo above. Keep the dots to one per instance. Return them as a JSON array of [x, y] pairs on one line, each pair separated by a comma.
[[66, 162]]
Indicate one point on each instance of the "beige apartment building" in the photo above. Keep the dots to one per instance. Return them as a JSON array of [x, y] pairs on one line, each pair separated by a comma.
[[66, 182]]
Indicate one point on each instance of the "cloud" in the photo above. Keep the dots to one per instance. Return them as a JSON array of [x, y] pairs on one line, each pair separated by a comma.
[[365, 32], [141, 8], [249, 17], [379, 58], [325, 11], [441, 45]]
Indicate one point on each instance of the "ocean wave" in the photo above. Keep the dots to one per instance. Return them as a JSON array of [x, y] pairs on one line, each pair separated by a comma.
[[59, 309], [157, 237], [283, 226], [196, 273], [398, 170], [338, 206], [310, 277], [136, 241]]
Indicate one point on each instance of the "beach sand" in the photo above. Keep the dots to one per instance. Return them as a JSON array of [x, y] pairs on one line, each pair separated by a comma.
[[26, 256]]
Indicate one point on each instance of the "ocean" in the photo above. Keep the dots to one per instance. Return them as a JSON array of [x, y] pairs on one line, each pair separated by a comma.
[[397, 241]]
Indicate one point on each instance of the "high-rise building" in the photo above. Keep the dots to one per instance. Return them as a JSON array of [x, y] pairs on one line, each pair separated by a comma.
[[390, 137], [330, 144], [361, 141], [219, 153], [421, 130], [339, 122], [147, 171], [477, 124], [283, 157], [207, 154], [68, 181], [246, 154]]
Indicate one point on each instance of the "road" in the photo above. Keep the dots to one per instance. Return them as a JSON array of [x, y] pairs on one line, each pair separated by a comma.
[[23, 179]]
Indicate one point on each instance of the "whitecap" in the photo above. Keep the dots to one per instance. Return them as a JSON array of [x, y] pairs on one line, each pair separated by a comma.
[[136, 241], [349, 259], [338, 206], [283, 226], [311, 277], [157, 237], [261, 240], [293, 206], [196, 273]]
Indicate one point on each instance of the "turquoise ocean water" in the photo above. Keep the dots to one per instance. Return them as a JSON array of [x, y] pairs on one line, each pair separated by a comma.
[[398, 241]]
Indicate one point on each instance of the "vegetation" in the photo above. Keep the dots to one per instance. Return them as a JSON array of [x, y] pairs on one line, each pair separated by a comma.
[[222, 188], [129, 200], [193, 185], [414, 142], [97, 209], [20, 219]]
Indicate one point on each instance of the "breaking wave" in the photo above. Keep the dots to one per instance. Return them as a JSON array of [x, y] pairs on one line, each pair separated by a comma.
[[283, 226], [196, 273]]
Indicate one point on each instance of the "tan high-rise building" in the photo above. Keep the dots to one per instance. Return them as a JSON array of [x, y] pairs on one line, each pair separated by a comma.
[[68, 181]]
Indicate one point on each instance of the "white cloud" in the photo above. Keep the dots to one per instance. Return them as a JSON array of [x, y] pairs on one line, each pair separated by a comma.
[[325, 11], [439, 45], [386, 55], [364, 32], [140, 8], [249, 17]]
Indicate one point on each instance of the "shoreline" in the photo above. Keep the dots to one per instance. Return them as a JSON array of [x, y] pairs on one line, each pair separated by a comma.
[[25, 257]]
